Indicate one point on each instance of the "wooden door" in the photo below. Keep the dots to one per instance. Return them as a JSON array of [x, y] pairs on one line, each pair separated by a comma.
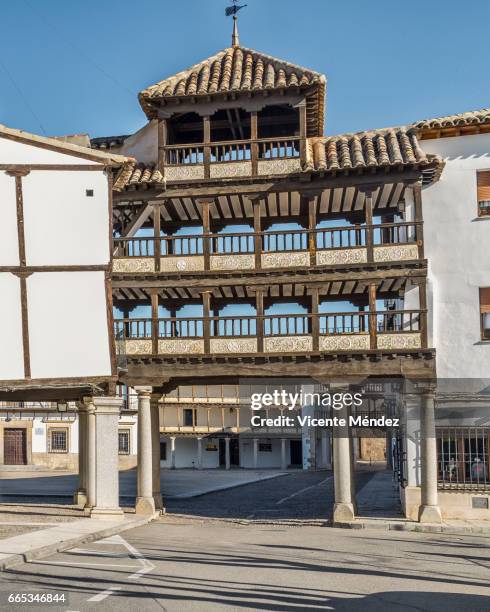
[[14, 446]]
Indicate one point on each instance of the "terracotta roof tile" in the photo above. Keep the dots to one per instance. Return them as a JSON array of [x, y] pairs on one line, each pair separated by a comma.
[[240, 69], [477, 117], [138, 175], [391, 147]]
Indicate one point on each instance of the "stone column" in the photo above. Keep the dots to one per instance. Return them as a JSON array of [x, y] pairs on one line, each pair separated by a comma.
[[284, 465], [106, 415], [172, 452], [227, 453], [145, 504], [155, 449], [256, 453], [80, 497], [91, 466], [342, 457], [199, 452], [429, 511]]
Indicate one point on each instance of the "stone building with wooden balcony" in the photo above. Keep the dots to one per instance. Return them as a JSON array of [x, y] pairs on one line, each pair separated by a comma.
[[249, 245]]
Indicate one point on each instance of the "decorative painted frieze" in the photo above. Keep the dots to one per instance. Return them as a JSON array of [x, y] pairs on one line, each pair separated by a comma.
[[288, 344], [345, 342], [399, 341], [341, 256], [279, 166], [231, 169], [396, 252], [138, 347], [232, 262], [132, 265], [233, 345], [285, 260], [185, 172], [181, 346], [186, 263]]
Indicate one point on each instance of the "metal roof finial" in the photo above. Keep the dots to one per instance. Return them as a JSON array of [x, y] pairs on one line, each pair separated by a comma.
[[233, 10]]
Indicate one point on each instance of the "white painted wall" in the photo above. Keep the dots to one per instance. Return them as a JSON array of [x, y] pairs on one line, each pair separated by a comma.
[[9, 245], [62, 225], [143, 145], [457, 245], [68, 330], [12, 152], [11, 351]]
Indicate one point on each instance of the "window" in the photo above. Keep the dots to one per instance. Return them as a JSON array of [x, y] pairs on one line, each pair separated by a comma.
[[485, 313], [190, 417], [163, 451], [463, 457], [124, 441], [58, 440], [483, 191], [265, 447]]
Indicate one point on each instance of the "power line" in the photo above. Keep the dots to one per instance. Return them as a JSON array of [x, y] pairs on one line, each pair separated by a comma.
[[21, 94], [78, 49]]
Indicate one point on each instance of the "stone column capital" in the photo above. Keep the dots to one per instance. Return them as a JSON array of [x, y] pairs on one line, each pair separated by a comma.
[[143, 391]]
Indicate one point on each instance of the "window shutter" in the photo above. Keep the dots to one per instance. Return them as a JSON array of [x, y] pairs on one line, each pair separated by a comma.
[[485, 300], [483, 186]]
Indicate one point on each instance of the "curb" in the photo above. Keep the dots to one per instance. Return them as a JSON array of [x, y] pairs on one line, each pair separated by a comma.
[[224, 487], [49, 549], [412, 527]]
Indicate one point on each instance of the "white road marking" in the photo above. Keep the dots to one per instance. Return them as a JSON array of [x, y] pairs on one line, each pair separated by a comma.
[[284, 499], [76, 563], [104, 594]]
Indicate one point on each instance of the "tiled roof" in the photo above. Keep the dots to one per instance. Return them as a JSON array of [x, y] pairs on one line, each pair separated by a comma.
[[138, 175], [396, 146], [235, 69], [107, 142], [470, 118]]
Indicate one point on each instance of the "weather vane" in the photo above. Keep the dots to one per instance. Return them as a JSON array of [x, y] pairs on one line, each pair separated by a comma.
[[233, 10]]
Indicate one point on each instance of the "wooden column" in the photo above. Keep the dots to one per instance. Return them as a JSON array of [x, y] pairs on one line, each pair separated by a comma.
[[422, 285], [156, 235], [302, 130], [419, 229], [315, 319], [373, 332], [206, 302], [368, 206], [162, 142], [154, 321], [257, 233], [207, 149], [254, 153], [312, 201], [259, 307], [206, 241]]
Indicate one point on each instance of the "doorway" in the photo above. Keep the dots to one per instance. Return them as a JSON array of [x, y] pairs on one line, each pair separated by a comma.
[[296, 449], [14, 446], [234, 452]]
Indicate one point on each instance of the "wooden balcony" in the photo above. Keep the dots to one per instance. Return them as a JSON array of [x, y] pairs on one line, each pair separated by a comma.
[[232, 159], [362, 244], [280, 334]]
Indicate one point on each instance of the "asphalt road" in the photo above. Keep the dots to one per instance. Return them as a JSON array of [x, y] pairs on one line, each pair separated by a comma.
[[195, 558]]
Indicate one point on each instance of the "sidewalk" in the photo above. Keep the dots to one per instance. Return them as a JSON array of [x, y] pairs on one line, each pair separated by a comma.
[[378, 507], [43, 542]]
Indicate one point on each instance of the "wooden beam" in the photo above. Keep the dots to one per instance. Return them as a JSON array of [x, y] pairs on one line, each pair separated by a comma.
[[312, 204], [315, 319], [257, 233], [154, 321], [206, 229], [259, 307], [419, 217], [207, 148], [156, 235], [206, 307], [162, 141], [373, 342], [254, 153]]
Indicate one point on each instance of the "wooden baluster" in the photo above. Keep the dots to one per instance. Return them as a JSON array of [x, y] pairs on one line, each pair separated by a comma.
[[372, 316]]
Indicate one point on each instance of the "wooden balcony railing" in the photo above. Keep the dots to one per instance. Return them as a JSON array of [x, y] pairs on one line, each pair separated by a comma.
[[377, 326], [280, 241]]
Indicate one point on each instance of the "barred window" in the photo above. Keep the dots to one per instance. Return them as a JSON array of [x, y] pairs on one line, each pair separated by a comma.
[[58, 440], [483, 190], [124, 442], [485, 312], [463, 455]]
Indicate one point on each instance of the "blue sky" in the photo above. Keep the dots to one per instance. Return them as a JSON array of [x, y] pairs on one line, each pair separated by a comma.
[[79, 65]]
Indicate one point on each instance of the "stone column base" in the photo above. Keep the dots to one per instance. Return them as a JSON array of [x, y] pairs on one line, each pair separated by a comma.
[[80, 498], [343, 512], [157, 498], [145, 506], [107, 513], [430, 514]]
